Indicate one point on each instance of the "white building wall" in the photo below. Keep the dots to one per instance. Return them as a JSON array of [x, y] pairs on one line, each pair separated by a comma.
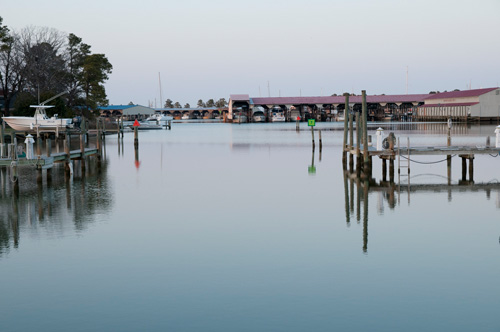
[[490, 104], [453, 100]]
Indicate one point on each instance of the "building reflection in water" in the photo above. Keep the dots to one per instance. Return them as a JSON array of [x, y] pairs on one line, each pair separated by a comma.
[[55, 205]]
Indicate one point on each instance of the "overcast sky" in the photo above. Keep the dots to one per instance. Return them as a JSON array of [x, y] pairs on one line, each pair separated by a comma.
[[211, 49]]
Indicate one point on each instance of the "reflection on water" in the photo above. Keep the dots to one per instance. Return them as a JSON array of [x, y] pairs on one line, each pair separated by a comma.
[[57, 205], [389, 192]]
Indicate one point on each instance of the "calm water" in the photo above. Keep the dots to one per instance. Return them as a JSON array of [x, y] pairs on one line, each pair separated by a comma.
[[220, 227]]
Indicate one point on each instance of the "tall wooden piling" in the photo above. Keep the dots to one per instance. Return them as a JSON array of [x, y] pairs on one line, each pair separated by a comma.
[[67, 149], [2, 140], [358, 143], [13, 169], [312, 135], [136, 137], [358, 136], [83, 132], [351, 142], [391, 169], [367, 164], [464, 168], [320, 141], [38, 144], [384, 169], [346, 119], [448, 157]]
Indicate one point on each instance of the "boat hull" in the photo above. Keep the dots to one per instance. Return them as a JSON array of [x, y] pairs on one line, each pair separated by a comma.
[[278, 119], [240, 119], [27, 124]]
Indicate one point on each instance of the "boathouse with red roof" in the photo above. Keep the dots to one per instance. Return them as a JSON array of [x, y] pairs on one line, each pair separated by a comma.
[[477, 104]]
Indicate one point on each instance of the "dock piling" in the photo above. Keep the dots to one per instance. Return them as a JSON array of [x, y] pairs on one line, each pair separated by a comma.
[[367, 164], [346, 119], [351, 142], [136, 137], [2, 139], [320, 141]]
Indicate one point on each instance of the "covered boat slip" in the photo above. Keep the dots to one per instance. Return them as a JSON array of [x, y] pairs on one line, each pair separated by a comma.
[[128, 112], [463, 106]]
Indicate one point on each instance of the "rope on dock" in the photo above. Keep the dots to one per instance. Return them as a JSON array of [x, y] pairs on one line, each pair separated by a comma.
[[427, 163]]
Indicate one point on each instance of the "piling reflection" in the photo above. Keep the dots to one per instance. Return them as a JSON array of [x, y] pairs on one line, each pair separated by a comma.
[[357, 188], [60, 204], [312, 169]]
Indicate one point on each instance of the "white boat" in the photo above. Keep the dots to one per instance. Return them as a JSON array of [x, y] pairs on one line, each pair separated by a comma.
[[278, 117], [185, 117], [159, 117], [39, 122], [240, 118], [146, 125], [294, 114], [259, 117]]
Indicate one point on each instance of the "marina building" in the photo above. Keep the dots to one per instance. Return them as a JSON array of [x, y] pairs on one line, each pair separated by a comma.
[[478, 104]]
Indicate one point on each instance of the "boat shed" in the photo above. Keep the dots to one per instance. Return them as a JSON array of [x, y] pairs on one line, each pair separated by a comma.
[[477, 104], [130, 111]]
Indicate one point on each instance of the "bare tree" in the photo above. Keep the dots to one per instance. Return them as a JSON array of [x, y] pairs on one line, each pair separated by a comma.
[[11, 63], [44, 65]]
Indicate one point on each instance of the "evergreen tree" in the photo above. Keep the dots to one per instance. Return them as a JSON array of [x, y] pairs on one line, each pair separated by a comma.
[[169, 103]]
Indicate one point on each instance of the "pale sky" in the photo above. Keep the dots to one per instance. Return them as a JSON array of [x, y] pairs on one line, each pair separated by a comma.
[[211, 49]]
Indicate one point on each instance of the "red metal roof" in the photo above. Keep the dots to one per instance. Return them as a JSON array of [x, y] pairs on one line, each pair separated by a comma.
[[239, 97], [339, 99], [449, 104], [461, 94]]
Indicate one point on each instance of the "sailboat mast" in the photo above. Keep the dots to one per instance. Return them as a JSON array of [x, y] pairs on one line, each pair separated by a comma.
[[161, 99]]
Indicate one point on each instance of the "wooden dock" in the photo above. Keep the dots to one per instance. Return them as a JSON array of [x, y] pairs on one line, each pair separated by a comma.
[[38, 154], [45, 162], [356, 144], [429, 151]]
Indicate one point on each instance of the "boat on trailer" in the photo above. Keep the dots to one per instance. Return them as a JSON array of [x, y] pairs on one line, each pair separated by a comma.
[[40, 122]]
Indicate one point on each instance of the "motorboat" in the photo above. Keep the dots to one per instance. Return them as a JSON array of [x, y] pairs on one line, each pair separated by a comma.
[[159, 117], [185, 116], [259, 116], [278, 116], [40, 122], [294, 114], [147, 125], [240, 118]]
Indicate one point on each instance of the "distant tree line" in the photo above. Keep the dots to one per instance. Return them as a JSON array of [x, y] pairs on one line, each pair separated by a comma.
[[210, 103], [38, 63]]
